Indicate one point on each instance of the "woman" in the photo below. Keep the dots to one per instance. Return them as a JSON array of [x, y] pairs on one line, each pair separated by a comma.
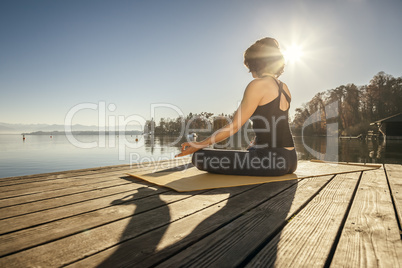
[[266, 102]]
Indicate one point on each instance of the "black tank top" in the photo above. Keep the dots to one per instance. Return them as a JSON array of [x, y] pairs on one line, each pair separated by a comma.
[[271, 124]]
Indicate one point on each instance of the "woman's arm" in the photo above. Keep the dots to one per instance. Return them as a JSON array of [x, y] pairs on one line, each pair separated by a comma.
[[251, 98]]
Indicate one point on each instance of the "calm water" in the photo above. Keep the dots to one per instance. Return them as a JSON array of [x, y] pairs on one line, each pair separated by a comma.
[[40, 153], [354, 150]]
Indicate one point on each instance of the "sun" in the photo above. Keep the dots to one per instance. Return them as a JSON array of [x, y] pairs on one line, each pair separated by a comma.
[[293, 53]]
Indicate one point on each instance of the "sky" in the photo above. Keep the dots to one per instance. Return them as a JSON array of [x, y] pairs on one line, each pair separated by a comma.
[[162, 58]]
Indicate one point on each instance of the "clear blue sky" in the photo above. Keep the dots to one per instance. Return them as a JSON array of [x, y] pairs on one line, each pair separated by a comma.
[[57, 54]]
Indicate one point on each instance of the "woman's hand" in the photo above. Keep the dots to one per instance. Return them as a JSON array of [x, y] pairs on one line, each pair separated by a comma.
[[189, 148]]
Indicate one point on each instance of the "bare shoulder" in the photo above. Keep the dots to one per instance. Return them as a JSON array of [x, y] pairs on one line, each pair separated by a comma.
[[261, 90], [261, 85], [255, 83]]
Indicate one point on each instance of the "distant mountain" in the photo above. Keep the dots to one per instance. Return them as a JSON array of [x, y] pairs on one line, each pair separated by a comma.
[[129, 132], [6, 128]]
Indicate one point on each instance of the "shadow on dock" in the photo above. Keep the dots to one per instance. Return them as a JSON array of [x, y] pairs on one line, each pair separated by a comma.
[[131, 253], [137, 200]]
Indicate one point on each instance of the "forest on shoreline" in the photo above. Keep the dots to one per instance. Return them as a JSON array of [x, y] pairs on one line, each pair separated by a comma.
[[358, 106]]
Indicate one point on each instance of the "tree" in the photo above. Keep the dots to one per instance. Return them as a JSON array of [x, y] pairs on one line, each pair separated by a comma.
[[357, 106]]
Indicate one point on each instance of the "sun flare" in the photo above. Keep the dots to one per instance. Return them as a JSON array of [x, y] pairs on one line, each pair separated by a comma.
[[293, 54]]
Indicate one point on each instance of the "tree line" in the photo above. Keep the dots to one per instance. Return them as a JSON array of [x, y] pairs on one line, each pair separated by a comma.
[[205, 121], [357, 107]]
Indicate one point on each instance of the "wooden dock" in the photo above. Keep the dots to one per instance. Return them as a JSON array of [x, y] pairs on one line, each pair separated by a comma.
[[102, 218]]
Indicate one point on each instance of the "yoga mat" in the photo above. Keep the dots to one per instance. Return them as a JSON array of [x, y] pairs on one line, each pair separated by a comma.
[[188, 178]]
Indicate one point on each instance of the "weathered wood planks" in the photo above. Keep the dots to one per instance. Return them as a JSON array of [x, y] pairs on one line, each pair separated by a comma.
[[370, 237], [100, 217], [82, 179], [187, 230], [308, 238], [394, 174], [134, 223], [244, 235]]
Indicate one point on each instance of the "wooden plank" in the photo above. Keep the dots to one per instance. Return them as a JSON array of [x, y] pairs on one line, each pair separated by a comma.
[[61, 192], [62, 174], [394, 174], [90, 241], [76, 190], [40, 187], [370, 237], [56, 178], [306, 241], [117, 189], [347, 163], [49, 185], [82, 172], [139, 252], [89, 186]]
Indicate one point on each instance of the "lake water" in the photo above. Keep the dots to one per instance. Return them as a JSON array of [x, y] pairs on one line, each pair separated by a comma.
[[42, 153]]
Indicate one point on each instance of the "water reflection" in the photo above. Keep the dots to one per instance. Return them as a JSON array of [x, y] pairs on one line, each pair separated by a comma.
[[160, 142], [354, 150], [349, 150]]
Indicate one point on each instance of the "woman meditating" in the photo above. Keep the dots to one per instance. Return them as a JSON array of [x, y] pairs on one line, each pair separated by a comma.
[[266, 103]]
